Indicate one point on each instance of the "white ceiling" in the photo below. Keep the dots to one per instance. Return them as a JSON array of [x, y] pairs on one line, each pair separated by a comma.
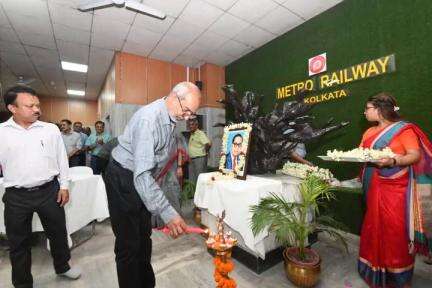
[[35, 35]]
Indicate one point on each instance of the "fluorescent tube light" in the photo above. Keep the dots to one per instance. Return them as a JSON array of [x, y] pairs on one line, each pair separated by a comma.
[[76, 92], [74, 67]]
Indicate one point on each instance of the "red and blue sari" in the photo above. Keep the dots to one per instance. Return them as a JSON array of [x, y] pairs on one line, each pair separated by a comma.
[[395, 226]]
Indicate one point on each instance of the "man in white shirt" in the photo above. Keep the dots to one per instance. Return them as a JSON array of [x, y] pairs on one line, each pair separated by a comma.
[[35, 170], [78, 127], [72, 141]]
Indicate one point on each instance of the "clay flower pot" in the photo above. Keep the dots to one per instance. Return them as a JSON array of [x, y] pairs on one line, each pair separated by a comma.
[[302, 273]]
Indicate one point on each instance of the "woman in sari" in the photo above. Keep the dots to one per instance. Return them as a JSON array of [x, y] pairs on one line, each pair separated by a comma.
[[397, 192]]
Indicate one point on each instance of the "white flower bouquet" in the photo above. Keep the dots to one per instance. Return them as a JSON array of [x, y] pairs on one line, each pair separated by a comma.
[[302, 171]]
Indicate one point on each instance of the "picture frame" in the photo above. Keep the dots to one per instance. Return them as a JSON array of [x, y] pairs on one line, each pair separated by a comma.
[[235, 150]]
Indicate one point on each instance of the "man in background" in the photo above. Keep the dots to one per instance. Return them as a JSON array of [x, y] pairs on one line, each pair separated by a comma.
[[72, 142], [94, 144], [35, 167], [78, 127], [299, 153], [87, 131], [199, 146]]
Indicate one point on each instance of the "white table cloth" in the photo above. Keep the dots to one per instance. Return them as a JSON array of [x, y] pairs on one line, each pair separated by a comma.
[[236, 196], [88, 202]]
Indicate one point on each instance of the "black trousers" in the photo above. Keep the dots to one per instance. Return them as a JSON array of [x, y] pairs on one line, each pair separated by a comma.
[[82, 158], [131, 224], [74, 161], [20, 204], [97, 164]]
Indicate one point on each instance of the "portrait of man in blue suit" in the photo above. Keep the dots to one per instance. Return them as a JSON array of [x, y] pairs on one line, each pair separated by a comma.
[[233, 156]]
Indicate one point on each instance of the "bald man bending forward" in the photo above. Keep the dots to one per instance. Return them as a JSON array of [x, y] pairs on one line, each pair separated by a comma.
[[133, 194]]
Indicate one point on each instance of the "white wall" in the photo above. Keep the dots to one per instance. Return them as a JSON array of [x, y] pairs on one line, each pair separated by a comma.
[[120, 116]]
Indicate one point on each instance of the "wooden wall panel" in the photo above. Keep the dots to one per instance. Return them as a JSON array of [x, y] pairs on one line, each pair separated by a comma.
[[159, 79], [77, 111], [72, 109], [60, 109], [140, 80], [193, 75], [202, 75], [213, 78], [216, 79], [99, 108], [91, 113], [178, 74], [45, 108], [131, 79]]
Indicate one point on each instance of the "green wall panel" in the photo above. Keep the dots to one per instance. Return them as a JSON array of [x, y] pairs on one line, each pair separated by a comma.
[[352, 32]]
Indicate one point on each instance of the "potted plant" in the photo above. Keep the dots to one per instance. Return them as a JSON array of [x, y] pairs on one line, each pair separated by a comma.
[[292, 222], [188, 191]]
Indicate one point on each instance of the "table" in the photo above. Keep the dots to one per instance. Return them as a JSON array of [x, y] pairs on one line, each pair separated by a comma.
[[236, 196], [88, 202]]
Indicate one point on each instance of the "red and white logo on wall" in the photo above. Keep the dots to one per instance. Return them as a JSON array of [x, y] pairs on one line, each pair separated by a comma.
[[318, 64]]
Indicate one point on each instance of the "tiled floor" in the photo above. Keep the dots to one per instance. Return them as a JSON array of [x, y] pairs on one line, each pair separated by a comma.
[[185, 263]]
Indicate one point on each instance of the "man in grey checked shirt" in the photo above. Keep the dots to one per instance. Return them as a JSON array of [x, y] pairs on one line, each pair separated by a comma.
[[133, 194]]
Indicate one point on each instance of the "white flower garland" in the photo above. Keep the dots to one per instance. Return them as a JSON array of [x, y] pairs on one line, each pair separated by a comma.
[[302, 171], [365, 154]]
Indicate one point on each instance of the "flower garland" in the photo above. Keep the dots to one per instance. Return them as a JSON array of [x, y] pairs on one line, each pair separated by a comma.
[[302, 171], [221, 273], [239, 169], [361, 153]]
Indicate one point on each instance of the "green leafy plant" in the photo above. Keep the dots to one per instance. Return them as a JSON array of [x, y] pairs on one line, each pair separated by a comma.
[[292, 222], [188, 190]]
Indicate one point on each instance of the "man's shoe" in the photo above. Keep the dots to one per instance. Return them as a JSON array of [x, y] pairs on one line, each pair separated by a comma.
[[73, 273]]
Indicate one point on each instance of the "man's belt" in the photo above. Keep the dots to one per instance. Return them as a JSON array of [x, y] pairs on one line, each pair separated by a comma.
[[198, 157], [36, 188]]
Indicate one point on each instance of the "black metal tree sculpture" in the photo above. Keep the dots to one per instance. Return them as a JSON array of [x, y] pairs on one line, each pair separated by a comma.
[[276, 134]]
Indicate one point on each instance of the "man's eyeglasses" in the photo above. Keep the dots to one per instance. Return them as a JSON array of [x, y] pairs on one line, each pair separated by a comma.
[[186, 111], [237, 144]]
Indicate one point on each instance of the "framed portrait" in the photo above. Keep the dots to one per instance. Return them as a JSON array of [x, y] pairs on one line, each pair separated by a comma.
[[235, 150]]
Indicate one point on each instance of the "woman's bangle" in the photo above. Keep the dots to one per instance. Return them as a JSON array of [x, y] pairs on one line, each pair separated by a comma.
[[394, 162]]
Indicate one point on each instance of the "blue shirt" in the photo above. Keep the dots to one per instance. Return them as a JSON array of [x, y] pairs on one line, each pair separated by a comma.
[[83, 138], [300, 150], [144, 148], [92, 140]]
